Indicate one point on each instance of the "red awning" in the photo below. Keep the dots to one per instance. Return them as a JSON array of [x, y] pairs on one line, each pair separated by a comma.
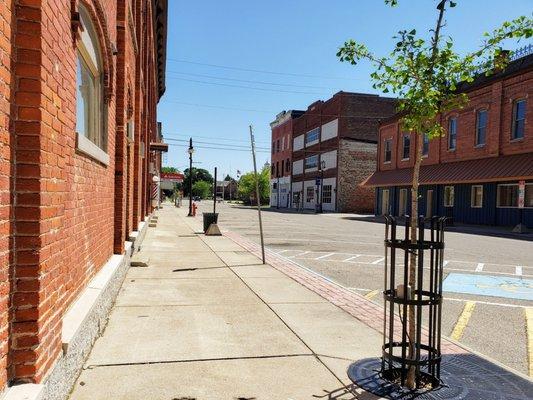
[[493, 169]]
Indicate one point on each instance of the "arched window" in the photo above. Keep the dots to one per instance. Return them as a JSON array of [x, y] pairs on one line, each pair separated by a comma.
[[90, 116]]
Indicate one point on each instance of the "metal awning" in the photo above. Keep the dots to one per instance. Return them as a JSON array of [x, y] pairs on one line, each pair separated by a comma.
[[159, 146], [492, 169]]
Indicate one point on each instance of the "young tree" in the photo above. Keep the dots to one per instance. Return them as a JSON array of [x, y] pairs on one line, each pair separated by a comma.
[[198, 174], [246, 188], [425, 75]]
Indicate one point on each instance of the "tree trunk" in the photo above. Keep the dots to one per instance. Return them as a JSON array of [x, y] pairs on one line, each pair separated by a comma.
[[411, 381]]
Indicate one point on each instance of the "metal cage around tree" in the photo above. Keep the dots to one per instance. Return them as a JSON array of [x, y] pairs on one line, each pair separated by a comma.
[[425, 297]]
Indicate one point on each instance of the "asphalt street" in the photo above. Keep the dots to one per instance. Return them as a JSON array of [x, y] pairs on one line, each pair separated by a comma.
[[488, 278]]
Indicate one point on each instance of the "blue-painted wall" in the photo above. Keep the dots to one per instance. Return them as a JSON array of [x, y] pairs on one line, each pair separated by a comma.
[[461, 212]]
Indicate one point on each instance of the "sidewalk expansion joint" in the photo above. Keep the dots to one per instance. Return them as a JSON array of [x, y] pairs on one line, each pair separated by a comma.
[[192, 360]]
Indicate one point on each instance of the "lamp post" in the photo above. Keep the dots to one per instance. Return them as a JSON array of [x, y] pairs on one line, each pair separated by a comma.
[[190, 151], [319, 187]]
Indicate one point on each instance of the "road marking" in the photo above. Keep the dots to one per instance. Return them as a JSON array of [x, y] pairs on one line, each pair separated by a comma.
[[446, 262], [298, 255], [324, 256], [479, 267], [283, 251], [378, 261], [462, 322], [351, 258], [518, 270], [371, 294], [489, 303], [529, 324]]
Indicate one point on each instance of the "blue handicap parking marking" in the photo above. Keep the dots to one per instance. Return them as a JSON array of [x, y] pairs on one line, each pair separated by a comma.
[[487, 285]]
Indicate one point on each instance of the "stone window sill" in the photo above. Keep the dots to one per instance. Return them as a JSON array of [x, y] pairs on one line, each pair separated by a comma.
[[87, 147]]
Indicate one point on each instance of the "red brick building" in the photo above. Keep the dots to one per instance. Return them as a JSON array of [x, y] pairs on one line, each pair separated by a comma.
[[334, 150], [481, 171], [280, 164], [80, 81]]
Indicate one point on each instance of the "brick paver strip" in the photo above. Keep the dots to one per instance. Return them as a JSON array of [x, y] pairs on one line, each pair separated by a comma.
[[358, 306]]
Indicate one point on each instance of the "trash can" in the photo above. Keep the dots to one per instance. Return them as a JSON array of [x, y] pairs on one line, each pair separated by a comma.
[[209, 218]]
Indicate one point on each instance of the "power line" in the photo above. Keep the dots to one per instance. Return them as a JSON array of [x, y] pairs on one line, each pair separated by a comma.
[[216, 106], [218, 144], [213, 137], [216, 148], [257, 70], [250, 81], [245, 87]]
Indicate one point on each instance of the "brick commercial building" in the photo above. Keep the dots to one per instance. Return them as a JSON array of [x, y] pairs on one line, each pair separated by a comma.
[[481, 171], [334, 150], [79, 85], [280, 175]]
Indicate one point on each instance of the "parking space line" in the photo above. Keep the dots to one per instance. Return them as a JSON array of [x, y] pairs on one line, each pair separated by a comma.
[[479, 267], [529, 325], [372, 294], [445, 263], [462, 322], [351, 258], [298, 255], [378, 261], [324, 256], [518, 270]]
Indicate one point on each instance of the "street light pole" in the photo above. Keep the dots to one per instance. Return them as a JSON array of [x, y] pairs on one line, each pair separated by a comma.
[[190, 151]]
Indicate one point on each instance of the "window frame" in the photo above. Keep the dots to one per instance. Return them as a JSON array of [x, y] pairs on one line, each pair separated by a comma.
[[448, 204], [514, 120], [473, 194], [484, 111], [314, 131], [329, 192], [425, 145], [498, 205], [404, 213], [387, 149], [454, 135], [309, 195], [408, 137], [89, 59], [306, 167], [525, 194]]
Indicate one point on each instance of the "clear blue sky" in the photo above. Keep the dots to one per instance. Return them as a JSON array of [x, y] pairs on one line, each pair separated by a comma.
[[296, 41]]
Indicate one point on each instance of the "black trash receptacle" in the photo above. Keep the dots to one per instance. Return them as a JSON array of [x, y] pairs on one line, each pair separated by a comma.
[[209, 218]]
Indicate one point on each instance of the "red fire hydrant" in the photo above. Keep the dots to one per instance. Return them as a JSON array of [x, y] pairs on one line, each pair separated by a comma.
[[194, 209]]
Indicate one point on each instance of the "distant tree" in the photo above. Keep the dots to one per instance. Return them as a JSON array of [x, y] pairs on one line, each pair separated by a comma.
[[202, 189], [169, 170], [425, 74], [198, 174], [246, 188], [228, 178]]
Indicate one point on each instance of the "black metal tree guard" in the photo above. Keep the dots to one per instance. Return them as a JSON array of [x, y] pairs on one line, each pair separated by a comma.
[[426, 299]]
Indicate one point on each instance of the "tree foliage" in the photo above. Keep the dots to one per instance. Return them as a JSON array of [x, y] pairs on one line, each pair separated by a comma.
[[198, 174], [169, 170], [203, 189], [246, 189]]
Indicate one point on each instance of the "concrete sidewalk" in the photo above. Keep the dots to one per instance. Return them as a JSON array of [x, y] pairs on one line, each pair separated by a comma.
[[206, 320]]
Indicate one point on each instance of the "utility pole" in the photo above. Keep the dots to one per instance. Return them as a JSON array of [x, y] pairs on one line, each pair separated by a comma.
[[257, 197], [190, 151]]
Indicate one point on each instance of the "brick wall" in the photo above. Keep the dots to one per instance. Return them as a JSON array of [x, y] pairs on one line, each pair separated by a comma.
[[356, 162], [6, 157], [497, 97], [62, 212]]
